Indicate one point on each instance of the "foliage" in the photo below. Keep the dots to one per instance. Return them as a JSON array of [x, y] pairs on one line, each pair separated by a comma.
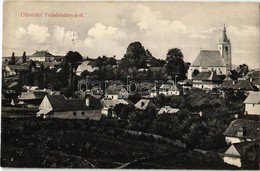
[[122, 111], [251, 158], [12, 61], [174, 53], [175, 66], [24, 57], [243, 69]]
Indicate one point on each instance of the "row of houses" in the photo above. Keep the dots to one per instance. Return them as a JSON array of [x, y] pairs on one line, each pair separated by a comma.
[[58, 106], [241, 134]]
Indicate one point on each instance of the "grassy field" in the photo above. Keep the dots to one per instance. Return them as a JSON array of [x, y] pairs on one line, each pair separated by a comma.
[[33, 142]]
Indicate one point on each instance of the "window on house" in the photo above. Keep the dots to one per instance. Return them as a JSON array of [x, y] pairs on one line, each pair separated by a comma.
[[74, 113], [82, 113]]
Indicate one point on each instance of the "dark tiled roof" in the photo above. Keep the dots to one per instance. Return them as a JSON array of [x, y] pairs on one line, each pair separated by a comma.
[[59, 103], [255, 76], [209, 58], [238, 85], [18, 67], [41, 54], [211, 76], [251, 128]]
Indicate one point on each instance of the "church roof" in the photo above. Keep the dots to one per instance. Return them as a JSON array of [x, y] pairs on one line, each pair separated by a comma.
[[209, 58]]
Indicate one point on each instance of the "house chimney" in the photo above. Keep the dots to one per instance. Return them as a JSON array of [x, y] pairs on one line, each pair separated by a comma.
[[250, 79]]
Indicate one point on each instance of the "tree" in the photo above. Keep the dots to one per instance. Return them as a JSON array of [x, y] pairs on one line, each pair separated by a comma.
[[24, 57], [251, 158], [173, 54], [122, 110], [73, 59], [12, 61], [243, 69], [175, 66], [135, 56]]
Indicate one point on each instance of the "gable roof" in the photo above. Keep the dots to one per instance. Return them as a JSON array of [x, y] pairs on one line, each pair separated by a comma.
[[60, 103], [32, 95], [142, 104], [85, 66], [209, 58], [240, 148], [41, 54], [250, 127], [168, 109], [112, 103], [238, 85], [253, 98]]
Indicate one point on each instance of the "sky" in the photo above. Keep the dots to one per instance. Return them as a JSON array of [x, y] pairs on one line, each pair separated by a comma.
[[107, 28]]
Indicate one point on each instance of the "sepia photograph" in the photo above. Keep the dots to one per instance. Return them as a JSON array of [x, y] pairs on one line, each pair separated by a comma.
[[130, 85]]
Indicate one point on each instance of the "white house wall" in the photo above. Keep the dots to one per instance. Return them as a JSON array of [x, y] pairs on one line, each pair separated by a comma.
[[233, 140], [88, 114], [45, 105], [252, 109], [236, 161]]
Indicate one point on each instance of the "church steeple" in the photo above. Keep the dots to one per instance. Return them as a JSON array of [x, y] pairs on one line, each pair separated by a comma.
[[224, 48], [223, 37]]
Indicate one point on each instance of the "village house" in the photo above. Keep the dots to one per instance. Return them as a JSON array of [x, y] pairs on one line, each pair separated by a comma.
[[31, 99], [108, 105], [238, 85], [42, 56], [115, 92], [153, 93], [186, 85], [168, 110], [254, 77], [206, 80], [169, 90], [218, 61], [57, 106], [241, 130], [10, 70], [252, 103], [236, 152]]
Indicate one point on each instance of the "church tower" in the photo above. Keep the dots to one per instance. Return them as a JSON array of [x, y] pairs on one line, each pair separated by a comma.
[[224, 47]]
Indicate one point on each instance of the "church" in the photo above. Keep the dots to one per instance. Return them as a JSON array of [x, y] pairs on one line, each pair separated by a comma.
[[218, 61]]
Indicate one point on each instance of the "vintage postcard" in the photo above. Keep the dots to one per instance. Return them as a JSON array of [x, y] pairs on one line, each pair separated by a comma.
[[130, 85]]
